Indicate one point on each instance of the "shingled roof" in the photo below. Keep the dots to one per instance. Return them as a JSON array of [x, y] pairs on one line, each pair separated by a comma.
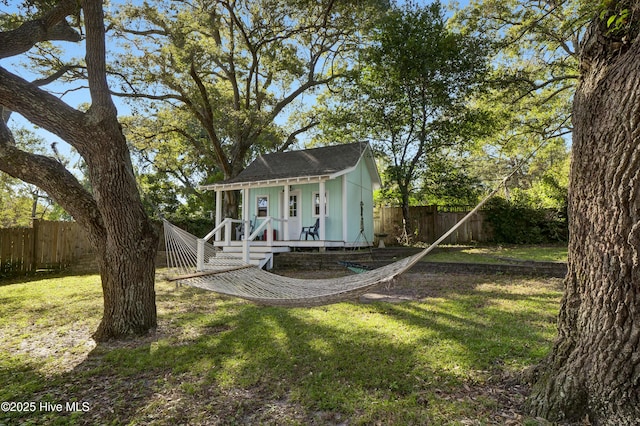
[[315, 163]]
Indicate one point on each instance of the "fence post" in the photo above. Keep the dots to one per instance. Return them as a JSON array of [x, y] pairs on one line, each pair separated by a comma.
[[34, 257]]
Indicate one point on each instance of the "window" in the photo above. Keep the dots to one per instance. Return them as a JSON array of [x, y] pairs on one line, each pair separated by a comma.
[[316, 204], [293, 206], [262, 204]]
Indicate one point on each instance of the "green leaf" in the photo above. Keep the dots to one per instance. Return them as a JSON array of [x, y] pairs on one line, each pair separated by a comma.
[[603, 14]]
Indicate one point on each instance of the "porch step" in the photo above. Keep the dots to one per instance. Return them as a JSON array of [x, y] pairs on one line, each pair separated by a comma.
[[222, 261], [219, 263], [256, 249], [238, 256], [231, 256]]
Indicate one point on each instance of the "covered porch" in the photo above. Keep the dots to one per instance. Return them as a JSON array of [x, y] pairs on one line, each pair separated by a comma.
[[315, 198], [277, 210], [256, 248]]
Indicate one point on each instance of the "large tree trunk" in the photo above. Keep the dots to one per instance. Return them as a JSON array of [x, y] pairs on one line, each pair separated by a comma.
[[127, 269], [112, 213], [594, 368], [114, 218], [127, 252]]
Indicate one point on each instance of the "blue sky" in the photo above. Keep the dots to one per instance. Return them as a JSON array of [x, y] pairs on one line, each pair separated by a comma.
[[76, 98]]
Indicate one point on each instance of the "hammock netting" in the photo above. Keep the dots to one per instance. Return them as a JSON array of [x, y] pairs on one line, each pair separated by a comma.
[[227, 276], [255, 284]]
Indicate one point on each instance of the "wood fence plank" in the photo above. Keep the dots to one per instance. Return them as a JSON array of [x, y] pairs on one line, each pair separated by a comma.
[[430, 224], [5, 252], [28, 250], [47, 244], [18, 250], [55, 247]]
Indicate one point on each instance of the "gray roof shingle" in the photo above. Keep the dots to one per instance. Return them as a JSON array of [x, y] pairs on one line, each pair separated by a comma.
[[309, 162]]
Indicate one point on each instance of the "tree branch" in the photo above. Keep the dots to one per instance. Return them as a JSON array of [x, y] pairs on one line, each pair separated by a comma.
[[533, 86], [160, 32], [40, 108], [53, 77], [207, 115], [102, 105], [52, 26], [167, 97], [51, 176], [292, 136]]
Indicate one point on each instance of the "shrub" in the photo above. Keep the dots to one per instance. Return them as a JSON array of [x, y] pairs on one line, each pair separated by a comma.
[[517, 223]]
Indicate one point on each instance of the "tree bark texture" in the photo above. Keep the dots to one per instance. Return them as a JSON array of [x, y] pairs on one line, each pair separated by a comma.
[[593, 371], [127, 254], [112, 211]]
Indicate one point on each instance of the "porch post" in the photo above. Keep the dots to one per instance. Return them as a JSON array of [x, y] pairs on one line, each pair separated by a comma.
[[285, 213], [345, 217], [200, 255], [218, 213], [322, 214], [269, 231], [245, 222], [227, 233]]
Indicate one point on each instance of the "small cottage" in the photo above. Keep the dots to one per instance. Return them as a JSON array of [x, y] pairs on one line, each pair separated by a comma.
[[319, 197]]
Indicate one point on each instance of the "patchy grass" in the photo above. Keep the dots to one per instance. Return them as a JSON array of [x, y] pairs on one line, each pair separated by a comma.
[[451, 353], [499, 254]]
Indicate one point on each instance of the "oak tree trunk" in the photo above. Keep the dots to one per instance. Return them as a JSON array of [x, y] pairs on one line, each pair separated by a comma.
[[593, 371], [127, 251], [127, 271], [112, 212]]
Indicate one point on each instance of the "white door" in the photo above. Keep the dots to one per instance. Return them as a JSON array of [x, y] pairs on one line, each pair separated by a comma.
[[294, 214]]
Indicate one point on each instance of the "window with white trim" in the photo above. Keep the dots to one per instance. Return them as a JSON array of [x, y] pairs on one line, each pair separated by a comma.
[[316, 204], [262, 205]]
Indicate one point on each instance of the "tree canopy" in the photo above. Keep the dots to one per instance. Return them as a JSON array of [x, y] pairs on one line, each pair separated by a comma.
[[411, 98], [536, 69], [235, 75]]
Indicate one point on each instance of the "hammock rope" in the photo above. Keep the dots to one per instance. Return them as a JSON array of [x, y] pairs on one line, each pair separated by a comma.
[[252, 283], [234, 278]]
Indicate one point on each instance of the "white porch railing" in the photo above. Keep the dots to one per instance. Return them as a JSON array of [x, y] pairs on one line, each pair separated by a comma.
[[267, 224], [226, 224]]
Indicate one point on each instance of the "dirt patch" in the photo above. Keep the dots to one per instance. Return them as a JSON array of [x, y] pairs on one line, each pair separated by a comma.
[[416, 286]]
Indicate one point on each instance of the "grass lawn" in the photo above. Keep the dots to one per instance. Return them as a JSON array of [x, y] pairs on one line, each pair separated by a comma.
[[451, 353], [499, 254]]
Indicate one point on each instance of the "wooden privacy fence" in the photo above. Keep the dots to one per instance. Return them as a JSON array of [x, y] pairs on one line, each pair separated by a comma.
[[56, 245], [46, 245], [428, 224]]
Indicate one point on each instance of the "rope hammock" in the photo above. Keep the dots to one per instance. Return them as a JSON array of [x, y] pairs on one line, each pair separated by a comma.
[[255, 284]]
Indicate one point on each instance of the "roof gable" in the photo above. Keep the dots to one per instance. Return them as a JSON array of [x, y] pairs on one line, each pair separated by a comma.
[[324, 162]]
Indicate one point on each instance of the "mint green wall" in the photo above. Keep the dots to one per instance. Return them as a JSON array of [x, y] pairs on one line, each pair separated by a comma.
[[358, 188], [274, 204], [333, 220]]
